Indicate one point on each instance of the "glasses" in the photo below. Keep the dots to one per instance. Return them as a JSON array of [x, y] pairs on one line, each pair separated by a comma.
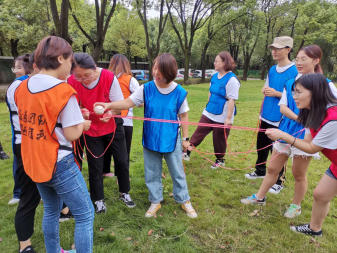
[[295, 93]]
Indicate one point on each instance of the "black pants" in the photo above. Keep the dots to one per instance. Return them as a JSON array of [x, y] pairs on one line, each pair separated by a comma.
[[262, 155], [29, 200], [97, 145], [128, 130], [80, 146]]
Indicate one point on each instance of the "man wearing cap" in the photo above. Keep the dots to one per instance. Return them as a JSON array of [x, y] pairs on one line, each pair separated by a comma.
[[270, 116]]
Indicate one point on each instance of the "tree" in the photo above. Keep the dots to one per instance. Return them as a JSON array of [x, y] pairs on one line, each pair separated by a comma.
[[152, 40], [126, 34], [61, 21], [104, 10], [191, 16]]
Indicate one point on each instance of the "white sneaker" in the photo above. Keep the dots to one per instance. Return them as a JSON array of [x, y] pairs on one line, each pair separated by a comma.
[[186, 157], [152, 210], [188, 208], [13, 201], [276, 189], [100, 206], [253, 175]]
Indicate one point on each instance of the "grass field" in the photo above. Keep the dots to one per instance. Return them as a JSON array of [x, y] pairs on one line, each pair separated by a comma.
[[223, 225]]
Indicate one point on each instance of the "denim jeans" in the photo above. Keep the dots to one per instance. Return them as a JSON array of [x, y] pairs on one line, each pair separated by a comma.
[[68, 186], [17, 188], [153, 170]]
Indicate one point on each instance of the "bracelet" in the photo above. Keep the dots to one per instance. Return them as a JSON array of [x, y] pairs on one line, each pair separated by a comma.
[[293, 142], [186, 139]]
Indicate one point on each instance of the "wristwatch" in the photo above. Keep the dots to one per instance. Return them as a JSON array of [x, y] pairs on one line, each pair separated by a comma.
[[186, 139]]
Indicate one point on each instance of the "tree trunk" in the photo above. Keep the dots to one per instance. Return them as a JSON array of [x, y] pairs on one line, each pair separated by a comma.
[[186, 66], [97, 51], [245, 68], [263, 72], [203, 61], [84, 48], [14, 47]]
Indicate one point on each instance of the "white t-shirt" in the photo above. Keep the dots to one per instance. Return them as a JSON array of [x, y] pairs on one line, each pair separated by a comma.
[[232, 92], [138, 96], [12, 106], [134, 85], [266, 84], [70, 115]]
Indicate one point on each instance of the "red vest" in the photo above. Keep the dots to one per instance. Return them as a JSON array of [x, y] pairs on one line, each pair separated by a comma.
[[87, 97], [38, 113], [331, 154]]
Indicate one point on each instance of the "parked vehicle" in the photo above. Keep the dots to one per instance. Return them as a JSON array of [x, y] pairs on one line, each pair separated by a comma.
[[140, 75], [209, 73], [196, 73]]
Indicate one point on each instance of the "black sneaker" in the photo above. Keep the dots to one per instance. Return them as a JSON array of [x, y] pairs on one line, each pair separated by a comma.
[[28, 249], [100, 206], [305, 229], [3, 155], [65, 217], [126, 198]]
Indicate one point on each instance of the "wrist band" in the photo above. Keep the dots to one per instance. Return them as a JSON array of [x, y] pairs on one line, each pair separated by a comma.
[[186, 139], [293, 142]]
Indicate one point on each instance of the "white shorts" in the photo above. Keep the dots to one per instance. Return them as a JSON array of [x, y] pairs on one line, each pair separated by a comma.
[[284, 148]]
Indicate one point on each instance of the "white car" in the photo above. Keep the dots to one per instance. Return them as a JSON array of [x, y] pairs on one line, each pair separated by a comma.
[[209, 73]]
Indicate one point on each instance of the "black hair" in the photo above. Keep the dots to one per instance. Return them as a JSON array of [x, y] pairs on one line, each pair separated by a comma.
[[83, 60], [25, 63], [321, 97]]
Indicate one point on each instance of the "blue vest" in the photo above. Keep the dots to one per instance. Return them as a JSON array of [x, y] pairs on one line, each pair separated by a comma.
[[271, 109], [287, 125], [218, 98], [11, 113], [159, 136]]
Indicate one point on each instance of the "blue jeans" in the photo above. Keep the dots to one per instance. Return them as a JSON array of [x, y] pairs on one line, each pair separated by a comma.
[[153, 170], [68, 186], [17, 188]]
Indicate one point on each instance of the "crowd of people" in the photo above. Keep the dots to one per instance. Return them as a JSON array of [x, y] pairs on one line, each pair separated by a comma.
[[61, 103]]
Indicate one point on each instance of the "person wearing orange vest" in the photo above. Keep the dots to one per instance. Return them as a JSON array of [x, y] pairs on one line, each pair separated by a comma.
[[120, 66], [106, 134], [50, 119]]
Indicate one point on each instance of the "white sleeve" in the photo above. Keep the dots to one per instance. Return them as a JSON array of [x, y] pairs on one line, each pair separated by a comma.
[[71, 114], [266, 83], [134, 85], [232, 89], [115, 93], [333, 89], [327, 136], [283, 100], [184, 107], [138, 96]]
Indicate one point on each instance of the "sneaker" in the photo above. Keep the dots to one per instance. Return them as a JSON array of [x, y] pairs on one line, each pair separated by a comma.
[[100, 206], [186, 157], [218, 163], [253, 175], [292, 211], [152, 210], [28, 249], [110, 174], [253, 200], [3, 155], [188, 208], [126, 198], [275, 189], [305, 229], [65, 217], [13, 201]]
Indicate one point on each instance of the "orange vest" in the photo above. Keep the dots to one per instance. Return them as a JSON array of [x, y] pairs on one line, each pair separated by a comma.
[[38, 113], [124, 82]]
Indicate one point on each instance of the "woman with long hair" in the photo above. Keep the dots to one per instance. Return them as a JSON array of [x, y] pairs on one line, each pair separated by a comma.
[[318, 113]]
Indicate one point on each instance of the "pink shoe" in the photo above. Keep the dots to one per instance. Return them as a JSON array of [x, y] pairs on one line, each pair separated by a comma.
[[110, 174]]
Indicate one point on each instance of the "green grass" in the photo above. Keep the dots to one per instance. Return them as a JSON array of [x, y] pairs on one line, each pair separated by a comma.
[[223, 225]]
